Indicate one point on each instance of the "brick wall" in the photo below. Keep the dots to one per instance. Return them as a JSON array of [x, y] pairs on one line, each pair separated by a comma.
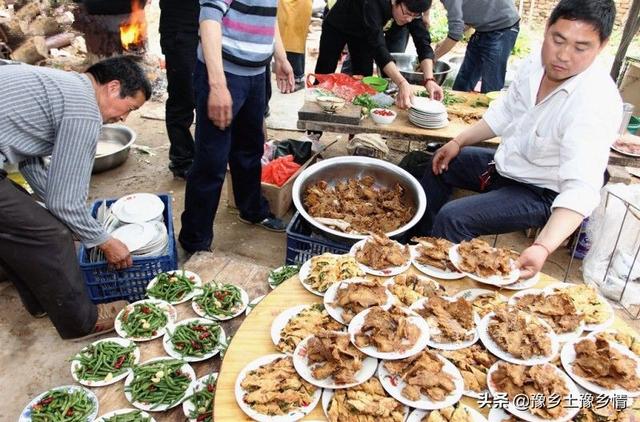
[[542, 9]]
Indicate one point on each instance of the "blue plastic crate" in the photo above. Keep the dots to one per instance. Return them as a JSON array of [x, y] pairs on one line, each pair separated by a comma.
[[107, 285], [303, 243]]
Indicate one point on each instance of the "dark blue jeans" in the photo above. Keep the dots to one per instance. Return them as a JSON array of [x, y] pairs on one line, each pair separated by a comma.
[[504, 206], [486, 58], [240, 145]]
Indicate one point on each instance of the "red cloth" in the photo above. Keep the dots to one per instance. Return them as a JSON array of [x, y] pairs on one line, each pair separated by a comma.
[[344, 86], [278, 171]]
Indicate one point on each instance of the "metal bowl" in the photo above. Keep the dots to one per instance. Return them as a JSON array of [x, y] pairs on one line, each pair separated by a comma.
[[338, 169], [407, 64], [119, 138]]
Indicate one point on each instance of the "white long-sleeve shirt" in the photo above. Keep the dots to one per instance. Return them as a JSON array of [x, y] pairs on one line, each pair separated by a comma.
[[563, 142]]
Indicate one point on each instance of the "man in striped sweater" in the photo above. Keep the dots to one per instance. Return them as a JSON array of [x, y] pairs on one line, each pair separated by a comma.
[[47, 112], [238, 39]]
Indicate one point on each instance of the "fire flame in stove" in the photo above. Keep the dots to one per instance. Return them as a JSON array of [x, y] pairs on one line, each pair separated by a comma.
[[133, 30]]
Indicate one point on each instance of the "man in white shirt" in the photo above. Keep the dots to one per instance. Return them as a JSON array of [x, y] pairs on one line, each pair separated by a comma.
[[557, 122]]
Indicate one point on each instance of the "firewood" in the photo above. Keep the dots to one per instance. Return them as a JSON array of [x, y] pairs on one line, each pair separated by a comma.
[[31, 51], [60, 40], [44, 25]]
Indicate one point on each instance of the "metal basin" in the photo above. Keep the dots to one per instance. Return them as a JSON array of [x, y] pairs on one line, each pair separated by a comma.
[[407, 63], [338, 169], [113, 147]]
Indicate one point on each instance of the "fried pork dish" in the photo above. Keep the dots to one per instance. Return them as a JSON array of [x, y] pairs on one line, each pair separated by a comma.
[[605, 366], [311, 320], [358, 203], [449, 321], [588, 302], [627, 340], [557, 309], [487, 303], [335, 357], [387, 331], [530, 381], [380, 252], [366, 402], [354, 298], [276, 388], [328, 268], [479, 258], [474, 363], [410, 288], [423, 375], [519, 334], [434, 252], [449, 414]]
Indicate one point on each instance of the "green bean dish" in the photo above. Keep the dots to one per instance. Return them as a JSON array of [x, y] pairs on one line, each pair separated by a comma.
[[195, 339], [172, 286], [144, 320], [160, 383], [133, 416], [219, 299], [61, 405], [103, 361], [202, 401]]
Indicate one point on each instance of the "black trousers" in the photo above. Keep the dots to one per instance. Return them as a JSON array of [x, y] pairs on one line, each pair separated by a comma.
[[332, 42], [38, 254], [179, 49]]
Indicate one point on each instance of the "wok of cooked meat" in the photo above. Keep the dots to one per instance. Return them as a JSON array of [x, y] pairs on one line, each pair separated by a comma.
[[519, 334], [603, 365], [353, 298], [434, 251], [387, 330], [379, 252], [410, 288], [311, 320], [333, 355], [473, 363], [557, 309], [478, 257], [449, 321], [367, 402]]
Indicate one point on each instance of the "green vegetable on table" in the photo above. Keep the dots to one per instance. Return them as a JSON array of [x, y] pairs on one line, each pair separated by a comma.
[[144, 320], [159, 383], [172, 286], [448, 98], [195, 339], [218, 299], [277, 277], [103, 361], [367, 103], [203, 401], [133, 416], [61, 405]]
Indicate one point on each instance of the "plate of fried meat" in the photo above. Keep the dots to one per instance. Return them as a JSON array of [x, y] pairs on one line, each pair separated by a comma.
[[409, 288], [483, 300], [431, 256], [424, 381], [389, 333], [457, 413], [329, 360], [346, 299], [452, 321], [484, 263], [598, 313], [543, 385], [295, 324], [380, 256], [473, 363]]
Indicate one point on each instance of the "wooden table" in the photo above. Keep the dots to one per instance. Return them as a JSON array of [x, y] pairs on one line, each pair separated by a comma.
[[253, 340]]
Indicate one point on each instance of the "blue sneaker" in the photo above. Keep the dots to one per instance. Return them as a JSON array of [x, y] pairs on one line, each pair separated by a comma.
[[270, 223]]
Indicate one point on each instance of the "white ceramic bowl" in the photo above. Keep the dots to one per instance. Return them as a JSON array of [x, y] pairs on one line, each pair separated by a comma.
[[386, 118]]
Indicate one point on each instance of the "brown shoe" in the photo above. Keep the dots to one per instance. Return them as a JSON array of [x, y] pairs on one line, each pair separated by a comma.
[[107, 313]]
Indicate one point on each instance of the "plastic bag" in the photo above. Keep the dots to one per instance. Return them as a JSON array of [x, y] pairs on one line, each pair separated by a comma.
[[269, 152], [341, 85], [278, 171], [300, 150]]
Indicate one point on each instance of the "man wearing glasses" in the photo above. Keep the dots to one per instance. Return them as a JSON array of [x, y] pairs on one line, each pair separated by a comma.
[[361, 25]]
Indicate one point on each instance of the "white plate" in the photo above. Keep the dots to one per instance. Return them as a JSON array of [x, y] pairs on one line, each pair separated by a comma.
[[327, 395], [187, 405], [387, 272], [282, 319], [185, 369], [303, 274], [106, 416], [425, 126], [191, 275], [270, 280], [25, 415], [495, 280], [301, 363], [430, 270], [292, 416], [497, 414], [252, 304], [427, 105], [138, 207], [356, 324], [623, 152], [135, 235], [417, 415], [168, 309], [450, 345], [171, 350], [493, 347], [573, 396], [589, 327], [330, 297], [523, 284], [562, 337], [425, 403], [75, 363], [568, 356], [244, 297]]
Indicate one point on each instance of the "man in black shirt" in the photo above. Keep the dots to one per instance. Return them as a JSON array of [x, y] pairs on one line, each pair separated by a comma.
[[179, 41]]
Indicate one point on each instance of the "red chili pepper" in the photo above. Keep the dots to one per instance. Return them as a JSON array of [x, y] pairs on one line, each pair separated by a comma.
[[203, 416], [220, 295], [195, 345], [145, 310], [46, 401], [70, 411], [199, 328], [394, 381], [119, 362], [383, 112], [211, 388], [204, 335]]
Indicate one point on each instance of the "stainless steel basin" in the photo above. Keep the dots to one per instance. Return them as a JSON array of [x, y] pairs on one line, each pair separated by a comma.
[[407, 63], [115, 142]]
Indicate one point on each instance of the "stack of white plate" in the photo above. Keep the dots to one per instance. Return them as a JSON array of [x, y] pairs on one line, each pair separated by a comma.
[[427, 113]]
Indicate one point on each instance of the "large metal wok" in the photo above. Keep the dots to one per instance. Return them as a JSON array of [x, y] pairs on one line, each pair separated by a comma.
[[118, 140], [407, 63]]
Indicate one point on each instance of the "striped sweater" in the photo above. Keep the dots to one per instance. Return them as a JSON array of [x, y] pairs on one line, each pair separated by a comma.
[[51, 112], [248, 30]]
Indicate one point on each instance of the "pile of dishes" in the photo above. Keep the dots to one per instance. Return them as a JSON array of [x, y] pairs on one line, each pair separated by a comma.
[[427, 113]]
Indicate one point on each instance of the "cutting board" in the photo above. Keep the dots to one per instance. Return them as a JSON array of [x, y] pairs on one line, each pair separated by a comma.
[[348, 115]]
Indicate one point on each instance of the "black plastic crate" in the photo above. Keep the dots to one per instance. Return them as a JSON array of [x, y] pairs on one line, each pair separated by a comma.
[[303, 243]]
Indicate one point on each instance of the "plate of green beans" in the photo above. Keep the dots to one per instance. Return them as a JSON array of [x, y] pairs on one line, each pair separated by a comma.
[[282, 274], [145, 319], [220, 301], [126, 415], [194, 339], [199, 406], [104, 362], [68, 403], [159, 384], [174, 286]]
